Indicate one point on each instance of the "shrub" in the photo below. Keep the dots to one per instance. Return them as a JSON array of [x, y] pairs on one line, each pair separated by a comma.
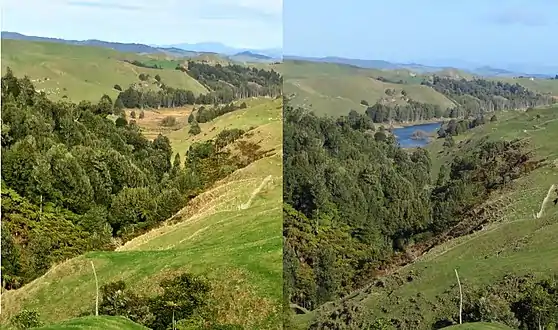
[[380, 136], [364, 102], [133, 114], [117, 87], [449, 142], [120, 122], [168, 121], [142, 115], [194, 128], [493, 118], [227, 136], [26, 319]]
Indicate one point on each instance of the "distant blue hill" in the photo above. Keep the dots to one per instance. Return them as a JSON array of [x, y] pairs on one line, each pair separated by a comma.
[[485, 71], [185, 50]]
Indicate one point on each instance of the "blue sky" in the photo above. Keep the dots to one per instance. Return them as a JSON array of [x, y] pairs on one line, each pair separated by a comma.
[[488, 32], [238, 23]]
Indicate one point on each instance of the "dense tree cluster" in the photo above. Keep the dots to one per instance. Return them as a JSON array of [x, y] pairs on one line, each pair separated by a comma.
[[477, 96], [166, 97], [204, 115], [238, 80], [355, 203], [144, 65], [225, 84], [455, 127], [412, 111], [473, 100], [73, 180]]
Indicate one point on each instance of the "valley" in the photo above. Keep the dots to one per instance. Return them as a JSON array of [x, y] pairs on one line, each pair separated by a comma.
[[375, 233], [142, 201]]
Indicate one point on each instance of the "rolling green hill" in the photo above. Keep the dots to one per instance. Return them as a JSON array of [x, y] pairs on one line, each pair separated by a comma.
[[333, 89], [231, 233], [84, 72], [516, 240]]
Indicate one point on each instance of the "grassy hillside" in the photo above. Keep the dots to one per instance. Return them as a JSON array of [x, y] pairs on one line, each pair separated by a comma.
[[334, 89], [83, 72], [100, 322], [539, 85], [516, 241], [231, 233], [479, 326]]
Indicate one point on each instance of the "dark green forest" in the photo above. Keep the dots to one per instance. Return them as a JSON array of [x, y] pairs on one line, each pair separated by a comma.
[[73, 180], [473, 99], [225, 84], [357, 205]]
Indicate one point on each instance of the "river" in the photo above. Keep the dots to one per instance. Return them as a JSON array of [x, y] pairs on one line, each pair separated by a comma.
[[404, 134]]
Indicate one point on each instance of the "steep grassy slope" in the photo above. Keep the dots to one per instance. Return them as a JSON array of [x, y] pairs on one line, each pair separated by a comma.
[[231, 233], [515, 241], [83, 72], [100, 322], [334, 89]]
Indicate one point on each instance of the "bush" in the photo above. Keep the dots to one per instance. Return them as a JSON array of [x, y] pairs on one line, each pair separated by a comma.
[[364, 102], [243, 105], [26, 319], [493, 118], [380, 136], [133, 114], [117, 87], [143, 76], [194, 128], [227, 136], [142, 115], [449, 142], [121, 122], [168, 121]]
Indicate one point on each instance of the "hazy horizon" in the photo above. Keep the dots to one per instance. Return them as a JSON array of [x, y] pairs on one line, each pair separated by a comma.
[[486, 32], [246, 24]]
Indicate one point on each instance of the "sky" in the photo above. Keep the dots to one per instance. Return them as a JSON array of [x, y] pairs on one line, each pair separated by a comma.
[[488, 32], [238, 23]]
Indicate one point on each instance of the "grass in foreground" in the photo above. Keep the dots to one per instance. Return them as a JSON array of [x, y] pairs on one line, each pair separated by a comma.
[[479, 326], [99, 322]]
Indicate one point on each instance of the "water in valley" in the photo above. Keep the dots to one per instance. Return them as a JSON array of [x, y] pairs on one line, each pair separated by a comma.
[[404, 135]]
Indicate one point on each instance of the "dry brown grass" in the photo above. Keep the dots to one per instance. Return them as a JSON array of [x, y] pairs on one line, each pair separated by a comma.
[[151, 123]]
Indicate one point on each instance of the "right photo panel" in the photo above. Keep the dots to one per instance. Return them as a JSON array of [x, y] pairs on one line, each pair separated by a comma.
[[420, 165]]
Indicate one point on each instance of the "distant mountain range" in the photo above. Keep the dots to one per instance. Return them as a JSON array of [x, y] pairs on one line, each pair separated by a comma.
[[274, 55], [216, 47], [486, 71], [181, 50]]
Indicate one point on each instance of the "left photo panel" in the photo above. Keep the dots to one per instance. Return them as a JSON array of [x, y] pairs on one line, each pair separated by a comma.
[[141, 164]]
